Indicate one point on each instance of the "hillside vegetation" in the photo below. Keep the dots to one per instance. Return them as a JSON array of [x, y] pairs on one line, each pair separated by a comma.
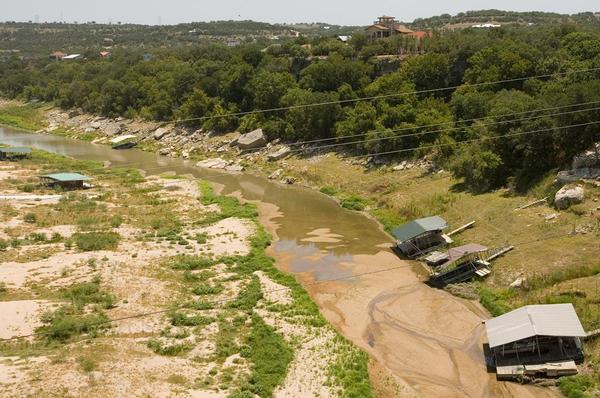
[[413, 118]]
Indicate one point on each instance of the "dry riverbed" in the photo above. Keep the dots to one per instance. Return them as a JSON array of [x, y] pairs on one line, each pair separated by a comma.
[[200, 310]]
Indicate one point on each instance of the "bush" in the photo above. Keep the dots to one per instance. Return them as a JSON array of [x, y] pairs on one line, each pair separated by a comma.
[[204, 290], [495, 300], [3, 245], [191, 263], [168, 350], [81, 294], [67, 322], [93, 241], [30, 218], [179, 319], [576, 386], [353, 203]]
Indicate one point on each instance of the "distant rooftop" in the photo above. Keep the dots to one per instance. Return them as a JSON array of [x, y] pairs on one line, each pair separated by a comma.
[[66, 177]]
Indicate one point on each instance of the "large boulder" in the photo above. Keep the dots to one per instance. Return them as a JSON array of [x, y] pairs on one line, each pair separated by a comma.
[[160, 133], [252, 140], [112, 129], [568, 196]]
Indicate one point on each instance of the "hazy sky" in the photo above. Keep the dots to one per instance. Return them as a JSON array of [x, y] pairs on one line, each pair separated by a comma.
[[347, 12]]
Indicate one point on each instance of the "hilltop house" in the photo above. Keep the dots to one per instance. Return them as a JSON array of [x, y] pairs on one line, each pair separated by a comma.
[[536, 340], [386, 26]]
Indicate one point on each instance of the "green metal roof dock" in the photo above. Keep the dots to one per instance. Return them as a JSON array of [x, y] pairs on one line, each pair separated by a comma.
[[417, 228], [14, 152], [66, 177]]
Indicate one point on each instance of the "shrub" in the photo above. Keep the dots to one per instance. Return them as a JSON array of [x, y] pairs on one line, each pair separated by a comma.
[[168, 350], [353, 203], [67, 322], [93, 241], [576, 386], [179, 319], [191, 263], [203, 290], [494, 300], [30, 218], [81, 294], [3, 245]]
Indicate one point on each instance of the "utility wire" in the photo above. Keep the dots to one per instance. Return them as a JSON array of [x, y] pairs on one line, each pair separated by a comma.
[[315, 148], [442, 124], [164, 311], [371, 98]]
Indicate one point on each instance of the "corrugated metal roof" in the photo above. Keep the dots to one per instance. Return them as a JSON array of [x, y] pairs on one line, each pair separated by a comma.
[[456, 253], [559, 320], [415, 228], [64, 177], [16, 150]]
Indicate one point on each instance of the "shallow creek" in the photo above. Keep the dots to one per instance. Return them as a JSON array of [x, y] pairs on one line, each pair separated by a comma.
[[429, 340]]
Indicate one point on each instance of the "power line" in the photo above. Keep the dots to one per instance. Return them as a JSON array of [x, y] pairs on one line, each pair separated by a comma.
[[164, 311], [371, 98], [433, 131], [314, 148], [442, 124], [472, 140]]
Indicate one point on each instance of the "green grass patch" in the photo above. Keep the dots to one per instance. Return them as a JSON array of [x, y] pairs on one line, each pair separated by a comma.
[[495, 300], [180, 319], [328, 190], [350, 370], [27, 117], [93, 241], [169, 350], [354, 202], [580, 386], [270, 356]]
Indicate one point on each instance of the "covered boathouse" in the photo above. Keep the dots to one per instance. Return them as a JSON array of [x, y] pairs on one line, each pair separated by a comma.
[[421, 236], [14, 153], [535, 341], [65, 180]]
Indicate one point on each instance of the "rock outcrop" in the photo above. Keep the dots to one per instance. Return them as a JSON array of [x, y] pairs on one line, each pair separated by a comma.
[[252, 140], [568, 196], [586, 166], [281, 153]]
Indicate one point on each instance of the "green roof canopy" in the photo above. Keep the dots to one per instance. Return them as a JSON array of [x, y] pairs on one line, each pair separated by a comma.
[[418, 227], [20, 150], [66, 177]]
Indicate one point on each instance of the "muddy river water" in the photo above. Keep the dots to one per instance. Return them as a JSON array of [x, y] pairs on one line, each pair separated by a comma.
[[428, 340]]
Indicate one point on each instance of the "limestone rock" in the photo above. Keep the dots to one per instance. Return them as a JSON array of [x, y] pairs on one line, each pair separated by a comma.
[[252, 140], [215, 163], [160, 133], [281, 153], [276, 174], [112, 129], [517, 283], [234, 167], [568, 196]]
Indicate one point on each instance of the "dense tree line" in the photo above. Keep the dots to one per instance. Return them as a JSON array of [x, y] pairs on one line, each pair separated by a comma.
[[213, 80]]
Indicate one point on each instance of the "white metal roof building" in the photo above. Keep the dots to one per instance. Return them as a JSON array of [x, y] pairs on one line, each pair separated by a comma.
[[557, 320]]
